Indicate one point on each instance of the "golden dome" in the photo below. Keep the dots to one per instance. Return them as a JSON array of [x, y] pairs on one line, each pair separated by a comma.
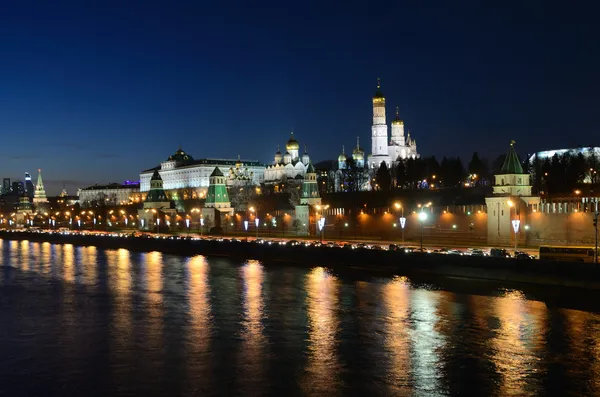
[[292, 144]]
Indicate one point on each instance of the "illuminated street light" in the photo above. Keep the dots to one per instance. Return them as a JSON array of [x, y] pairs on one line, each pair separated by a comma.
[[422, 219]]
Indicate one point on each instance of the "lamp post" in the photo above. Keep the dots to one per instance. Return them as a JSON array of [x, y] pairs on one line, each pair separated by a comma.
[[422, 218], [402, 218], [257, 222], [515, 222], [201, 225], [596, 228], [187, 224]]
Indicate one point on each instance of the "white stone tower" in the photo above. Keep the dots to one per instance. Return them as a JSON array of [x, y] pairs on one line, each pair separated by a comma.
[[510, 201], [398, 130], [379, 132]]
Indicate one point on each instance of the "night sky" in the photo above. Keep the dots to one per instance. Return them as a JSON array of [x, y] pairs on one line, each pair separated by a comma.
[[97, 91]]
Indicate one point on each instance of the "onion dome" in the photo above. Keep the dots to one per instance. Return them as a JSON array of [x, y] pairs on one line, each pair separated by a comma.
[[358, 153], [398, 120], [378, 94], [278, 156], [292, 144], [305, 158], [342, 157], [180, 156], [238, 163]]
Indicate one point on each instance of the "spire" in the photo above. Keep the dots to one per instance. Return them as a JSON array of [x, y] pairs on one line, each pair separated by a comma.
[[343, 150], [357, 142], [512, 164], [39, 194], [378, 94], [305, 149]]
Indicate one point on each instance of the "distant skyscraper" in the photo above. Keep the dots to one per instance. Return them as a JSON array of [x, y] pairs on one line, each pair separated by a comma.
[[6, 186], [29, 188], [18, 187]]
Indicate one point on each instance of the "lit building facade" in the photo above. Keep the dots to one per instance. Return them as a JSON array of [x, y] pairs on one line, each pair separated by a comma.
[[111, 194], [182, 171], [289, 165]]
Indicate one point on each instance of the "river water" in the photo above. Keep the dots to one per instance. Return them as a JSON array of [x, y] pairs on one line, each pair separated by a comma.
[[79, 321]]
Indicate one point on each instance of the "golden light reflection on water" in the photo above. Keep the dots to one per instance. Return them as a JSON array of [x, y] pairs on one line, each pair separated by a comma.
[[68, 262], [89, 262], [252, 333], [154, 296], [519, 338], [24, 254], [323, 366], [47, 258], [396, 298], [583, 335], [154, 282], [199, 305]]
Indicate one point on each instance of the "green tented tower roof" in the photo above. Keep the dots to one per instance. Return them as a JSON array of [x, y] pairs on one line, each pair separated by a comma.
[[512, 164]]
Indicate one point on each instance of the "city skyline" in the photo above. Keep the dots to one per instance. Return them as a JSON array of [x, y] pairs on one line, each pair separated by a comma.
[[102, 92]]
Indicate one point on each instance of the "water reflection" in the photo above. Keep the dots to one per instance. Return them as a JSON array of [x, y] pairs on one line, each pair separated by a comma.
[[252, 332], [396, 298], [24, 254], [427, 342], [323, 367], [68, 262], [519, 336], [200, 328], [135, 322]]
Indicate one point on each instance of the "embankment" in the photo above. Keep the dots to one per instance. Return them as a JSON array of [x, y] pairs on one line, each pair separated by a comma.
[[370, 262]]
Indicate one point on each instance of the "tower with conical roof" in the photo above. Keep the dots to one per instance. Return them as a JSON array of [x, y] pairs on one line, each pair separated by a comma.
[[512, 180], [217, 205], [217, 196], [40, 194], [158, 208], [156, 195], [510, 201], [23, 211], [310, 188]]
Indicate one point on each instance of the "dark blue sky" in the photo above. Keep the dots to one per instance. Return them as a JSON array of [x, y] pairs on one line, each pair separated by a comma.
[[97, 91]]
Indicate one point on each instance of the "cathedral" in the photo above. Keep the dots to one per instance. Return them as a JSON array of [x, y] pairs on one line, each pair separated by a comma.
[[288, 166], [384, 148]]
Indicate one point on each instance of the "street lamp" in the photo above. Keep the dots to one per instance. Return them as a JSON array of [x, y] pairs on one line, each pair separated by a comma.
[[257, 222], [422, 219], [402, 218]]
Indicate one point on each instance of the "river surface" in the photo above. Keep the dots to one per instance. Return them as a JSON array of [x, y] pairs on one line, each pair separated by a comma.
[[80, 321]]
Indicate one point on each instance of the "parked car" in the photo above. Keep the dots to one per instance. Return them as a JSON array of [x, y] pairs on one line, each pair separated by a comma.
[[499, 253]]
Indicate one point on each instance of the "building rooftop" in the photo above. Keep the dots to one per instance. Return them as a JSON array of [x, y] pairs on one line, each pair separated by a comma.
[[512, 164], [113, 186], [227, 163]]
